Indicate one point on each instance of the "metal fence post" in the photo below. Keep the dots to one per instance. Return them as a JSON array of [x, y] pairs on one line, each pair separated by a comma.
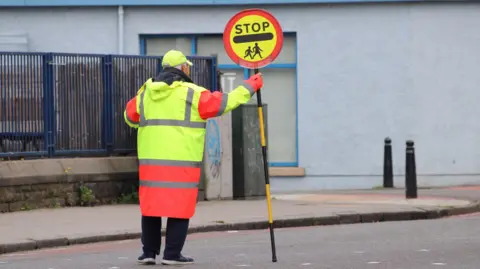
[[159, 66], [215, 76], [108, 125], [49, 121]]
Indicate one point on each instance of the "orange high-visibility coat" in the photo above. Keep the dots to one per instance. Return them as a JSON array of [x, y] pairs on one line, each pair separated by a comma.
[[171, 121]]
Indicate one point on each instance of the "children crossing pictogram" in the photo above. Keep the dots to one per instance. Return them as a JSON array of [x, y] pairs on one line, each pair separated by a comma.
[[256, 51]]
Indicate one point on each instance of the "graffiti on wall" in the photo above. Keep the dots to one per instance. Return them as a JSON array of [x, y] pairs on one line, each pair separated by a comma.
[[214, 150], [213, 146]]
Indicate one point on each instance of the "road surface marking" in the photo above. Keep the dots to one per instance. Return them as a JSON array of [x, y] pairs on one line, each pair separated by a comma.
[[359, 252], [243, 265], [306, 263], [424, 250], [231, 232], [373, 262], [3, 262], [439, 263], [123, 258]]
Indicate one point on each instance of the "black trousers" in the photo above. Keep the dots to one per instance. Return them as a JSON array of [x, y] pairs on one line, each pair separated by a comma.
[[174, 240]]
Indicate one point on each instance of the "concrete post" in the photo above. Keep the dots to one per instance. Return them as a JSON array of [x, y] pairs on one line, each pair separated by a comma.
[[217, 171]]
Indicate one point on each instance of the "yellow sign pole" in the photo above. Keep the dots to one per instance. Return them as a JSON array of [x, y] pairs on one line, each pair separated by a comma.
[[257, 32], [265, 168]]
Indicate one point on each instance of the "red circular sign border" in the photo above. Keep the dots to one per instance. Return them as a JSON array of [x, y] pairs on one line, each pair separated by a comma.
[[228, 46]]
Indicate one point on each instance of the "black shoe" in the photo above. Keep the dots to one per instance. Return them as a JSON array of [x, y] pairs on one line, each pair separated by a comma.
[[147, 259], [179, 261]]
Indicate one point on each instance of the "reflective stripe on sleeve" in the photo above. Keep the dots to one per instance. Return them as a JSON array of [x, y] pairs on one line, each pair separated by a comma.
[[223, 105], [249, 88]]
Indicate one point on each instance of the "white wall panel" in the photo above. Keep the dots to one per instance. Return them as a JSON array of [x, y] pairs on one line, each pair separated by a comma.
[[160, 45], [279, 94], [208, 45]]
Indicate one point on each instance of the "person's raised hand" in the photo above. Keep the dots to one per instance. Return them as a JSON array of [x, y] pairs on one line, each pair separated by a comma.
[[256, 81]]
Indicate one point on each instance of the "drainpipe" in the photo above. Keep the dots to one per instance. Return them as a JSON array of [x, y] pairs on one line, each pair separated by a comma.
[[120, 29]]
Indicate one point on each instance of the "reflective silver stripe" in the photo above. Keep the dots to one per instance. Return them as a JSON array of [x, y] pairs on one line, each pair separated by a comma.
[[164, 122], [168, 184], [170, 163], [249, 88], [130, 120], [223, 104], [179, 123], [142, 111], [188, 106]]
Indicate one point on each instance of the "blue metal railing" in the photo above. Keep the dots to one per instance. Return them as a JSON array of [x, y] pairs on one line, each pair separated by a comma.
[[58, 104]]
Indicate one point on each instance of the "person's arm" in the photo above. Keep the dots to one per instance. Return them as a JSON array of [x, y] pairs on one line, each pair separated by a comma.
[[131, 114], [216, 104]]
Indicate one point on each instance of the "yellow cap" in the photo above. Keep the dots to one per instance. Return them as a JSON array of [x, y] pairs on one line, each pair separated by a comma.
[[174, 58]]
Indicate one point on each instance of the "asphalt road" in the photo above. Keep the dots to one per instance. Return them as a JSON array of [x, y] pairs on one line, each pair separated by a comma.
[[447, 243]]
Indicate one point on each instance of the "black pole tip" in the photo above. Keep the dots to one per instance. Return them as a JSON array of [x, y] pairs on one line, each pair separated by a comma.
[[274, 259], [388, 140], [410, 143]]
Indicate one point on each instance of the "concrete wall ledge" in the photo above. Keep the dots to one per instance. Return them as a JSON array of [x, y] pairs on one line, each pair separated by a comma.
[[15, 173], [287, 172], [45, 183], [32, 184]]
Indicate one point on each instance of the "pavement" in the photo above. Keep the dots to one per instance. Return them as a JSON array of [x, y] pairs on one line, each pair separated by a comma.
[[449, 243], [46, 228]]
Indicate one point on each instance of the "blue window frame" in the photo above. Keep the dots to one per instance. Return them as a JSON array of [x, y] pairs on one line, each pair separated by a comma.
[[246, 75]]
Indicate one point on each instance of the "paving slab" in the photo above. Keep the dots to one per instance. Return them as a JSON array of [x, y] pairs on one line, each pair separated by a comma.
[[46, 228], [373, 199]]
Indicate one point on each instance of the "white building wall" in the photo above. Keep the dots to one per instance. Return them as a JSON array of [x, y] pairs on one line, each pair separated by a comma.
[[79, 30], [365, 71]]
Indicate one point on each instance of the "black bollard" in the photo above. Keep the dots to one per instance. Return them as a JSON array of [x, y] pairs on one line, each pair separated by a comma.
[[410, 172], [387, 164]]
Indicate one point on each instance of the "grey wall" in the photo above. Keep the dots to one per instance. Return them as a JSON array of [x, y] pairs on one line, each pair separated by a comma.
[[83, 30], [408, 71]]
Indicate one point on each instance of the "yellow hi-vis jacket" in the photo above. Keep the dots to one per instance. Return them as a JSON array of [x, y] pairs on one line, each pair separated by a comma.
[[171, 121]]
